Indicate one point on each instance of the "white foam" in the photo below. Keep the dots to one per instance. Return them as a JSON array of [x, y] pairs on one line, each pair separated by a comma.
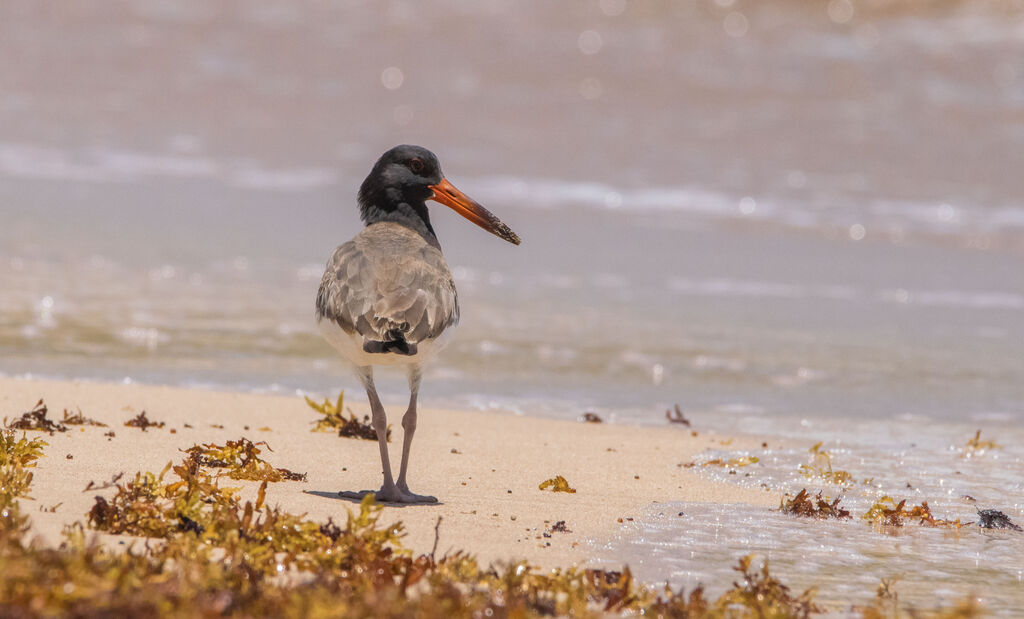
[[955, 298], [132, 165], [128, 166], [726, 287], [834, 209], [550, 193]]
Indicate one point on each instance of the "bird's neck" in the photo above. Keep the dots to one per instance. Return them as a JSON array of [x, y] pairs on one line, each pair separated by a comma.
[[413, 216]]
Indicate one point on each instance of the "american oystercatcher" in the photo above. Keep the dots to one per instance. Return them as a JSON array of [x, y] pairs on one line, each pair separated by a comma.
[[387, 296]]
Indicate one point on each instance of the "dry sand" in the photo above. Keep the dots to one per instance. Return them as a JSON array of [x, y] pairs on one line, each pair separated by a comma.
[[483, 467]]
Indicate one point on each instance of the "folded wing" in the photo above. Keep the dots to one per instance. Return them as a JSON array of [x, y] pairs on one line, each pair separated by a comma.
[[385, 280]]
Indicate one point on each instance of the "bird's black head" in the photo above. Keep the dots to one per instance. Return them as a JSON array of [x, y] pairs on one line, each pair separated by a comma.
[[403, 176], [401, 182]]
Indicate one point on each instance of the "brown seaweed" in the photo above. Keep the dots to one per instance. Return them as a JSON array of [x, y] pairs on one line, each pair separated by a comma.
[[241, 460], [806, 506], [142, 422], [78, 419], [591, 417], [677, 416], [886, 511], [107, 484], [354, 428], [349, 427], [36, 419]]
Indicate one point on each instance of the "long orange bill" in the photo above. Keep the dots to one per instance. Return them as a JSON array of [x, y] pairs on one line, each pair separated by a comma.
[[448, 195]]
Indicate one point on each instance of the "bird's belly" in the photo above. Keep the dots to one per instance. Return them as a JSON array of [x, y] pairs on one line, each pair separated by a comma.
[[350, 347]]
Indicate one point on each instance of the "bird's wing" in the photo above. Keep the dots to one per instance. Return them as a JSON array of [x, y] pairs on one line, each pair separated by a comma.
[[384, 280]]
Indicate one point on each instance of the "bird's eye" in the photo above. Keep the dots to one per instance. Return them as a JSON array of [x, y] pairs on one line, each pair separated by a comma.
[[416, 165]]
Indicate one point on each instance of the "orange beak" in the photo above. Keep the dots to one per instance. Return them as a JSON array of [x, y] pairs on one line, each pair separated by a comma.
[[448, 195]]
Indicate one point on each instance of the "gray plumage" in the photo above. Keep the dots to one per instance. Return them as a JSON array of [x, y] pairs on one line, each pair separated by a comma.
[[388, 277]]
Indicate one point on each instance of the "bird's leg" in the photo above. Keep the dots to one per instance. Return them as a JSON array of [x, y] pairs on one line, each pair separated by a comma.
[[387, 492], [409, 427]]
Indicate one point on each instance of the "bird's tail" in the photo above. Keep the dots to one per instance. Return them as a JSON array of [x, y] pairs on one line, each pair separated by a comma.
[[394, 342]]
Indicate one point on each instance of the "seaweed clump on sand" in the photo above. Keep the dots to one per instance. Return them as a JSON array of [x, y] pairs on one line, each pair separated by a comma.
[[806, 506], [150, 506], [557, 484], [241, 460], [887, 512], [995, 519], [78, 419], [235, 558], [36, 419], [349, 427], [677, 416], [141, 421]]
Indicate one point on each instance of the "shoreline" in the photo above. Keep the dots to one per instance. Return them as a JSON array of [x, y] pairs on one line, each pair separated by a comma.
[[484, 468]]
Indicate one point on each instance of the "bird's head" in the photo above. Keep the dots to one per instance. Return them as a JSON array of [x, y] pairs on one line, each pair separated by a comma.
[[410, 175]]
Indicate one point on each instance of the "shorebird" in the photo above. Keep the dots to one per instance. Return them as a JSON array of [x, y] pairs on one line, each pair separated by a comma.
[[387, 296]]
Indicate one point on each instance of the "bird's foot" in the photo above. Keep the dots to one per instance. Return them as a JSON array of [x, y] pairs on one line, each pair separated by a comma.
[[389, 494], [411, 497]]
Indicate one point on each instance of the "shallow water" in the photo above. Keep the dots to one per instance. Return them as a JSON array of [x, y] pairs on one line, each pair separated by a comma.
[[686, 544], [780, 217]]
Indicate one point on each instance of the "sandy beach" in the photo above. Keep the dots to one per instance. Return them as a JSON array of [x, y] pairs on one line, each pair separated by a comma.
[[484, 468]]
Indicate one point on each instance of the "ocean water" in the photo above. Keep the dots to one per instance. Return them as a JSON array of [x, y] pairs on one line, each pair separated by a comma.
[[799, 220]]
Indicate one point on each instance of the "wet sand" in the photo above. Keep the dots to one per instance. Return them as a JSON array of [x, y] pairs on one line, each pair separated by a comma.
[[485, 468]]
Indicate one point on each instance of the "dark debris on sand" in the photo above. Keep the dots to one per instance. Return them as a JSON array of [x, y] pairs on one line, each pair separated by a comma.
[[78, 419], [142, 422], [349, 427], [36, 419], [354, 428], [186, 524], [677, 416], [995, 519]]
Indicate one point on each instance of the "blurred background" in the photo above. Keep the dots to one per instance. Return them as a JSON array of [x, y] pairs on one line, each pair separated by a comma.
[[749, 208]]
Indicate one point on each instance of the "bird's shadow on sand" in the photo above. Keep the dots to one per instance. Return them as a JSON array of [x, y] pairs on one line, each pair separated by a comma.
[[356, 500]]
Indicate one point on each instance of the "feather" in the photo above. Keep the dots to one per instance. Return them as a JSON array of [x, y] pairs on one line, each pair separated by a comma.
[[388, 277]]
